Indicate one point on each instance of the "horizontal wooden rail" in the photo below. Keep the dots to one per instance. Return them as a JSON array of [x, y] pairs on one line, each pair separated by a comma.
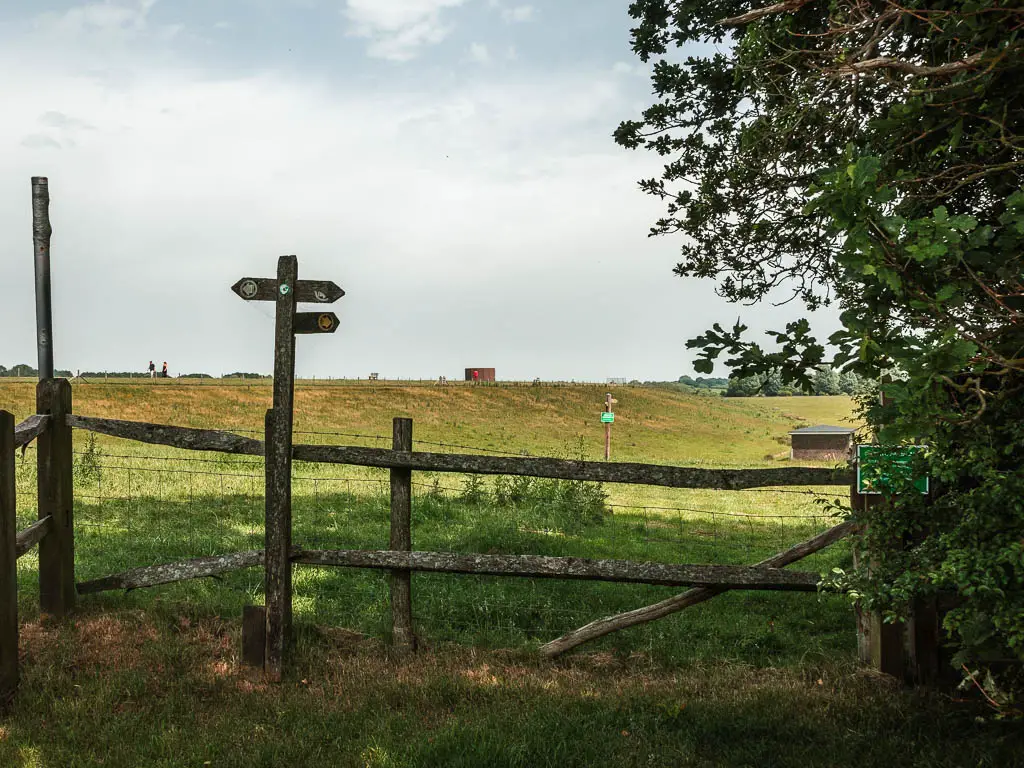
[[563, 469], [154, 575], [540, 567], [163, 434], [528, 566], [32, 535], [30, 429]]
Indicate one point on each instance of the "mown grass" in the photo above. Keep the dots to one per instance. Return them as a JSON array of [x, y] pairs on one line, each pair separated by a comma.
[[152, 677]]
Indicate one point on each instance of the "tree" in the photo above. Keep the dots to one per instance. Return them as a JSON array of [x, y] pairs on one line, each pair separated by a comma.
[[747, 386], [869, 155], [826, 381], [851, 384]]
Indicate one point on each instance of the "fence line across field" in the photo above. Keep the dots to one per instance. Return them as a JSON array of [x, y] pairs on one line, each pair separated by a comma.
[[400, 559]]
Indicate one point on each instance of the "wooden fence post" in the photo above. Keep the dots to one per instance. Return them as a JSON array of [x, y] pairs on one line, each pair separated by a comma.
[[402, 636], [8, 563], [56, 499], [879, 644], [278, 451]]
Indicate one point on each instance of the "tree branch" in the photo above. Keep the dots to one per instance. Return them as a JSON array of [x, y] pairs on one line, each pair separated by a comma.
[[787, 6], [899, 65]]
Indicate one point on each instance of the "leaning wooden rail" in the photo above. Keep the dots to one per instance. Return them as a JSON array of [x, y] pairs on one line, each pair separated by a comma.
[[691, 597], [32, 535], [562, 469], [529, 566], [30, 429]]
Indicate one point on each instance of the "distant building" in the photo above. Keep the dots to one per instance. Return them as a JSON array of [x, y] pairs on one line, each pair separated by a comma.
[[482, 374], [821, 442]]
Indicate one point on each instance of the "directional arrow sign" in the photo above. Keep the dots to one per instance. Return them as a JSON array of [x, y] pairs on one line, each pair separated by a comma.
[[306, 291], [316, 322]]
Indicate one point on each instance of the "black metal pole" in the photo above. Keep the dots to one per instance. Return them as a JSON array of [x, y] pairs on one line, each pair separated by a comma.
[[41, 246]]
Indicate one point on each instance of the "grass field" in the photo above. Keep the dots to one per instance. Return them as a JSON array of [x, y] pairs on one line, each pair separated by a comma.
[[152, 677]]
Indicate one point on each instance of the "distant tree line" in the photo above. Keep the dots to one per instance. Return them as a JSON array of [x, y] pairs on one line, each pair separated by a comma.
[[26, 370], [702, 382], [825, 381]]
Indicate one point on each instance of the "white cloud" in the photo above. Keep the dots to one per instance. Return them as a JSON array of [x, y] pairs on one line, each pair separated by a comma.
[[519, 13], [398, 29], [109, 19], [483, 220], [479, 53]]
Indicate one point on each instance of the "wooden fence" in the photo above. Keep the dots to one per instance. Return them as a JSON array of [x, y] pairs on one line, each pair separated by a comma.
[[54, 533]]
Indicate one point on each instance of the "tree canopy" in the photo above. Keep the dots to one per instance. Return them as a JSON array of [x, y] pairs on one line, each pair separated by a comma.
[[867, 154]]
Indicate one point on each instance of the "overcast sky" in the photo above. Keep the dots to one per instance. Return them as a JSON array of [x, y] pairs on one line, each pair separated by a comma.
[[449, 163]]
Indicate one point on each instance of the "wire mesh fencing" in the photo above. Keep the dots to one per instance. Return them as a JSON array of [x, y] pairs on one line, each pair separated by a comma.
[[138, 505]]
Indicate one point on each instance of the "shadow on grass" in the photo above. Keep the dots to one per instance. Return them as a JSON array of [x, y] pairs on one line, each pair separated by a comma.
[[154, 688], [758, 628]]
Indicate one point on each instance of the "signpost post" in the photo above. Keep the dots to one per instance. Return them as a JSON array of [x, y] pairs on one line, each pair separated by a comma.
[[608, 418], [286, 291]]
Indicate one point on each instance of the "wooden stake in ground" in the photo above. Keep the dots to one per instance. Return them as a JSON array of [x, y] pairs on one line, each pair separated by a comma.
[[55, 467], [691, 597], [402, 636], [8, 563]]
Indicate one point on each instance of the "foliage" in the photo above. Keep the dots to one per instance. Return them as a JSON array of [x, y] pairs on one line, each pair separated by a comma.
[[26, 370], [88, 464], [702, 382], [825, 380], [868, 155]]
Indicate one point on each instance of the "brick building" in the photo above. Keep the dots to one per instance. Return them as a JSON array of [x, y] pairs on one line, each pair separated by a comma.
[[822, 442]]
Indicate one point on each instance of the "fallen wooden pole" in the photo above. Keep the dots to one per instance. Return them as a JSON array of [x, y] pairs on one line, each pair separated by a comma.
[[30, 429], [541, 567], [154, 575], [32, 535], [606, 626]]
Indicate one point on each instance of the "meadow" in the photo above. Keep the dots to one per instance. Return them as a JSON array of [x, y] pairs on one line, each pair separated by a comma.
[[153, 677]]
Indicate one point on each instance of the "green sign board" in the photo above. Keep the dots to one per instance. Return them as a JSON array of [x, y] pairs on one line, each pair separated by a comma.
[[607, 418], [881, 467]]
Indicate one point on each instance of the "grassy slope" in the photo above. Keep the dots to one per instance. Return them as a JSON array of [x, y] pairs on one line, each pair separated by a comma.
[[653, 425], [152, 678]]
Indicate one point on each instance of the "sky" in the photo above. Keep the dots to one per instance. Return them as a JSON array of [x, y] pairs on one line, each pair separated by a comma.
[[449, 163]]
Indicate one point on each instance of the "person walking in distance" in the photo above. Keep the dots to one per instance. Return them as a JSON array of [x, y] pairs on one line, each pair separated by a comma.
[[476, 376], [152, 369], [163, 373]]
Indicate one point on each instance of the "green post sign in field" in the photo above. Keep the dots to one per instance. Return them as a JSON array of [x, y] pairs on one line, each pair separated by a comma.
[[607, 418], [880, 467]]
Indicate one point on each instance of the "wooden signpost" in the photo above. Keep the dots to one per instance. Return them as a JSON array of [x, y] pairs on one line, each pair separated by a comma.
[[286, 291], [608, 418]]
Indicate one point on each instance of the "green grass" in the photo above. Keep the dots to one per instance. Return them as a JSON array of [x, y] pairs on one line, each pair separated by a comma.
[[152, 677]]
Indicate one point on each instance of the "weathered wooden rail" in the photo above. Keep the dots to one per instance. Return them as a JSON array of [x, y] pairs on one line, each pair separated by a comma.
[[720, 577], [559, 469], [30, 429]]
